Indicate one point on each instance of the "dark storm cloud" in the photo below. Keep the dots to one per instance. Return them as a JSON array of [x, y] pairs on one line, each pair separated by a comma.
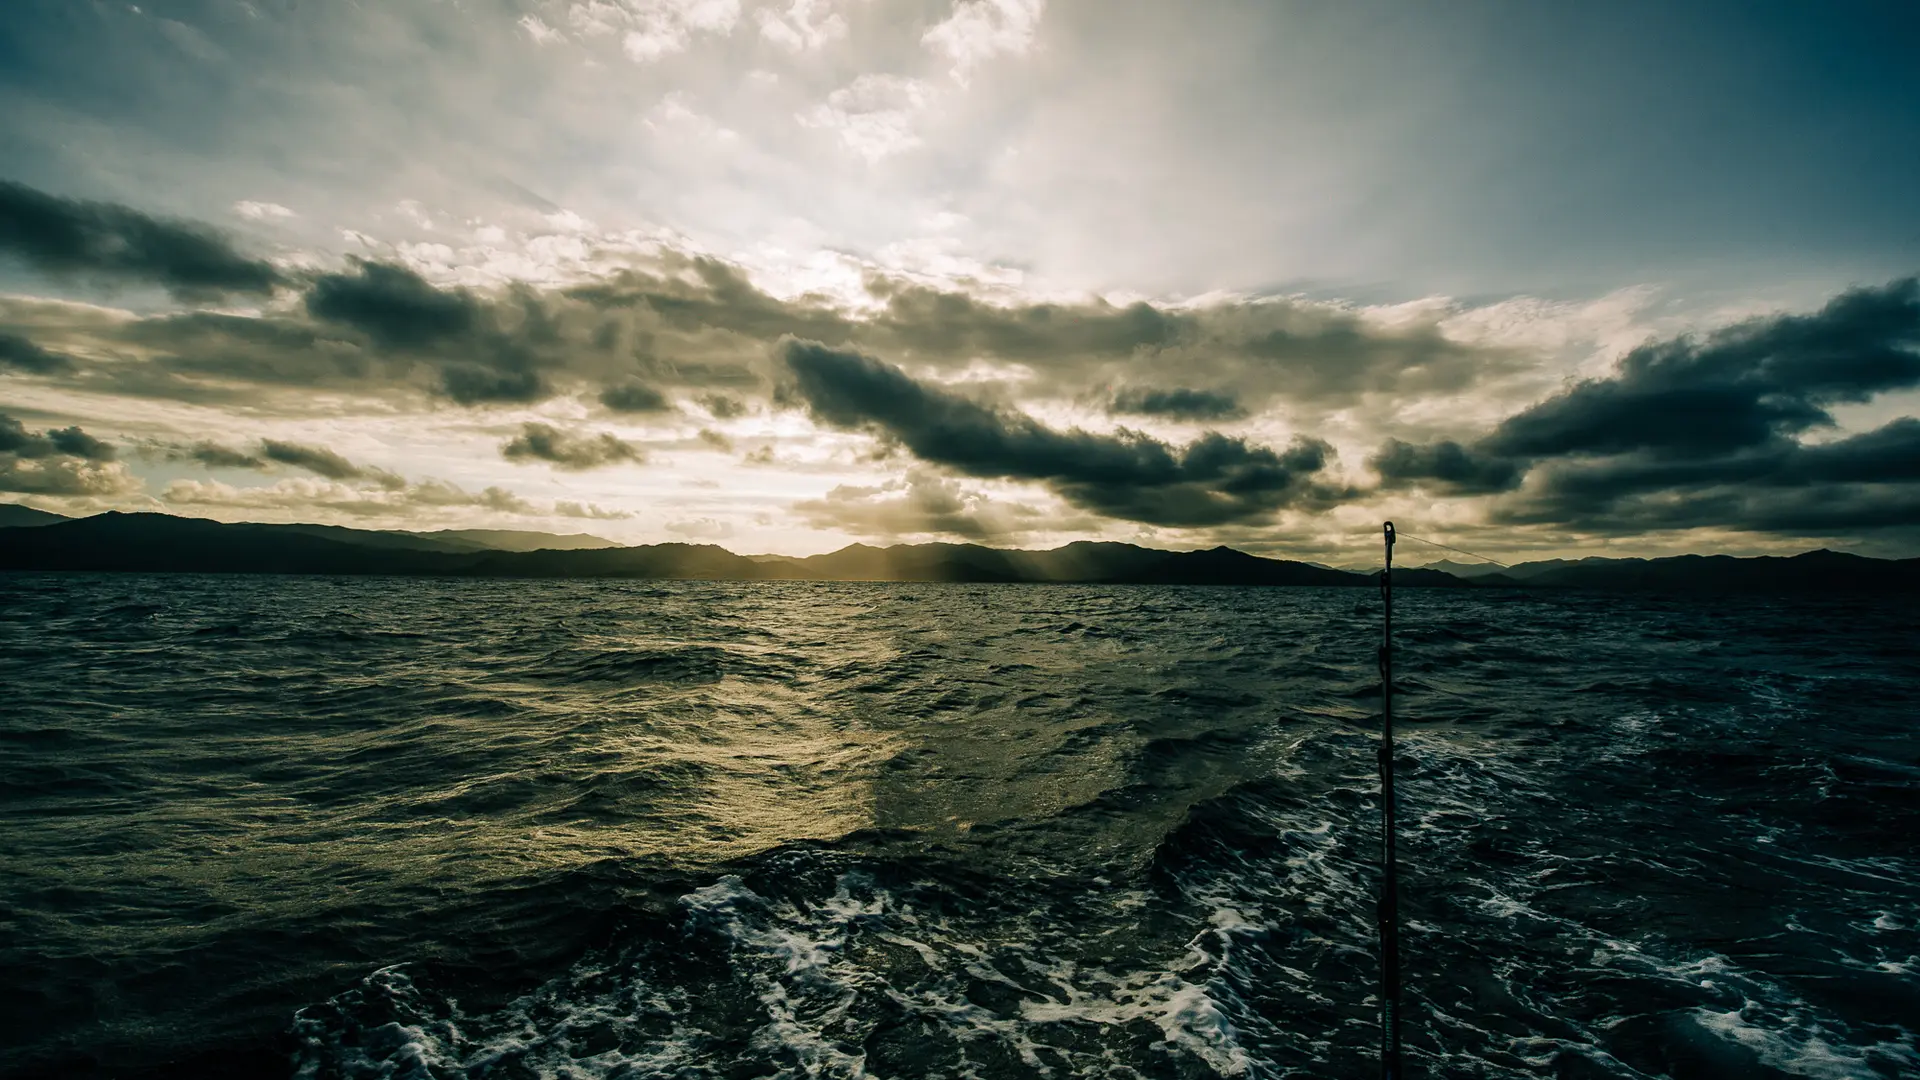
[[215, 456], [73, 442], [392, 305], [268, 454], [697, 327], [927, 320], [568, 450], [1708, 430], [484, 353], [17, 441], [315, 459], [1444, 464], [476, 384], [1176, 404], [23, 355], [723, 407], [1212, 481], [698, 293], [635, 398], [1257, 351], [62, 461], [106, 240]]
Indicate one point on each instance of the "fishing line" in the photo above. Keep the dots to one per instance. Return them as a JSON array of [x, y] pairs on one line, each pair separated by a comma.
[[1449, 547]]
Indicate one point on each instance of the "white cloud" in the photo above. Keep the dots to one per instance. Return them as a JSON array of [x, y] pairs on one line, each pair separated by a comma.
[[926, 504], [979, 30], [705, 528], [654, 28], [804, 25], [415, 213], [305, 494], [874, 115], [567, 221], [590, 511], [65, 476], [260, 211], [538, 30], [674, 115]]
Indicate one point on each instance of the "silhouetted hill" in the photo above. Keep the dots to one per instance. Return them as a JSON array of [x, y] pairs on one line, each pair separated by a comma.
[[380, 538], [1225, 566], [703, 562], [903, 562], [163, 543], [1460, 569], [1814, 571], [1085, 562], [513, 540], [160, 542], [459, 540], [15, 516]]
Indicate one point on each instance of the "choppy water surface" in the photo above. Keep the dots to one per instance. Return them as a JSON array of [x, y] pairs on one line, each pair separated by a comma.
[[383, 828]]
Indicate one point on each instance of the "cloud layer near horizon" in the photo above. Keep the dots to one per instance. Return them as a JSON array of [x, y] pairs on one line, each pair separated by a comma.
[[1200, 421]]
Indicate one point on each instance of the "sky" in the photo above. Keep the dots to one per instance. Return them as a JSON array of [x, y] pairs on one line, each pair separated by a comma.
[[1536, 280]]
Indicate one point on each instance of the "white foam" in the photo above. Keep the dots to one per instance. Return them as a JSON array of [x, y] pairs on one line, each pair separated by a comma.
[[1799, 1053]]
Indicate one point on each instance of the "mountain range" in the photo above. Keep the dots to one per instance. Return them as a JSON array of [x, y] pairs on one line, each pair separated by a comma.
[[36, 540]]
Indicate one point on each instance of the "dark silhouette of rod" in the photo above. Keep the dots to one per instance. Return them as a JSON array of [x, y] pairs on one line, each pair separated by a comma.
[[1389, 915]]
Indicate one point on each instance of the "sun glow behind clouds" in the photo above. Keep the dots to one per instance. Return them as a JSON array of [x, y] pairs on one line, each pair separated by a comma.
[[1092, 220]]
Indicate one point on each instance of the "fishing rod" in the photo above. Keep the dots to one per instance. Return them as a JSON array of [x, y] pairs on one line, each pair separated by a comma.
[[1389, 912]]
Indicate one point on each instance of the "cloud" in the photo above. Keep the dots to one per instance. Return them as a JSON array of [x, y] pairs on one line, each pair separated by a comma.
[[65, 477], [315, 459], [261, 211], [116, 243], [874, 116], [1708, 430], [1444, 465], [73, 442], [62, 461], [22, 355], [924, 504], [668, 321], [567, 450], [803, 25], [700, 529], [450, 331], [305, 495], [979, 30], [392, 305], [1214, 480], [635, 398], [269, 453], [649, 29], [1261, 351], [17, 441], [537, 29], [589, 511], [372, 494], [722, 407], [216, 456], [1176, 404]]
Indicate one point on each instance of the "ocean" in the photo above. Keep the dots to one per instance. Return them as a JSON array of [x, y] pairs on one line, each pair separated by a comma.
[[377, 827]]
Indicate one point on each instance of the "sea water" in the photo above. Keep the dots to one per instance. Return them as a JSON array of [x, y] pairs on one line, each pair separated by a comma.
[[343, 828]]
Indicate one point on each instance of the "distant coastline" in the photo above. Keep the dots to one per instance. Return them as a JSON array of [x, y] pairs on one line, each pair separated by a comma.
[[163, 543]]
